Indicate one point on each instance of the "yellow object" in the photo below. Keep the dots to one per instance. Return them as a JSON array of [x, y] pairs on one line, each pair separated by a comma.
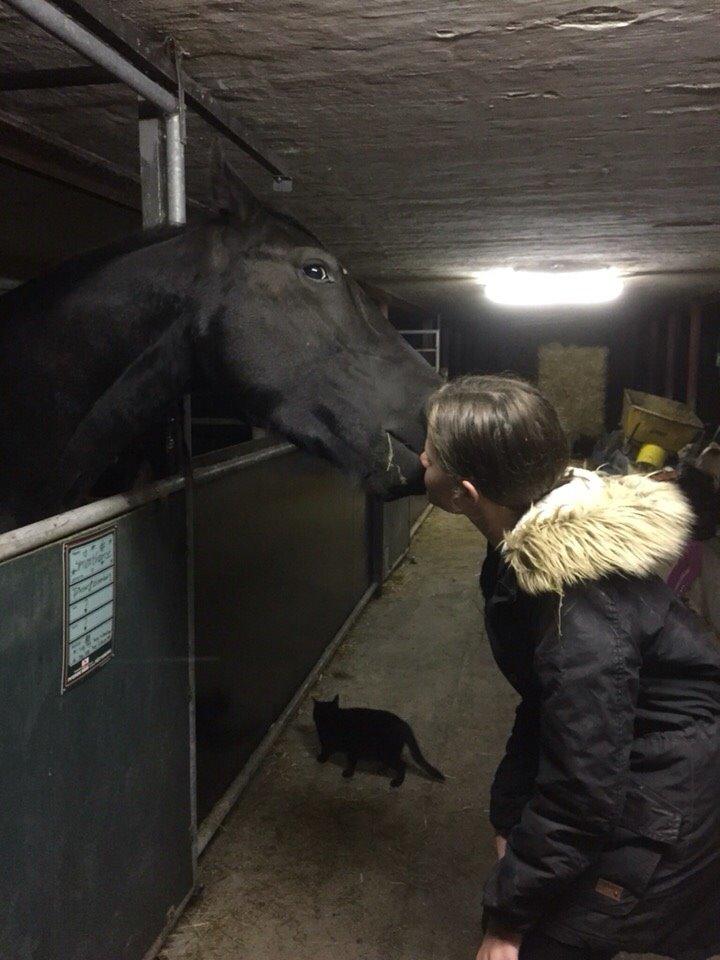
[[651, 454], [665, 423]]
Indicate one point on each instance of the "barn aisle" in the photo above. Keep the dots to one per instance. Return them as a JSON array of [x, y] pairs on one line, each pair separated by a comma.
[[310, 866]]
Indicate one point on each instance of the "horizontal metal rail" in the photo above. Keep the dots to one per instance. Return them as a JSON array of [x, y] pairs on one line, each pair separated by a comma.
[[51, 529], [212, 471], [51, 156], [434, 333], [431, 330], [60, 25]]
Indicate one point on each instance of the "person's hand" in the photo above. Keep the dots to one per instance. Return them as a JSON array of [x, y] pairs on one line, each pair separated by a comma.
[[500, 846], [500, 946], [664, 475]]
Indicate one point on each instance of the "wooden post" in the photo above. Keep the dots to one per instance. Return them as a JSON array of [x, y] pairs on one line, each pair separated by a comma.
[[694, 354], [670, 351]]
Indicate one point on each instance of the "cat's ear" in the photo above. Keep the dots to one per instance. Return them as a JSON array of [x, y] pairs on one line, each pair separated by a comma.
[[336, 701], [314, 700]]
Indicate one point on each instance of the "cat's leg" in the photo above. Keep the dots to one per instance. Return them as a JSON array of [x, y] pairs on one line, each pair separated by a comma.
[[324, 754], [400, 774], [350, 766]]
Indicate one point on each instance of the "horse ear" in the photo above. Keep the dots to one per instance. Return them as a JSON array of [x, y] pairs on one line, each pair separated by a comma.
[[229, 193]]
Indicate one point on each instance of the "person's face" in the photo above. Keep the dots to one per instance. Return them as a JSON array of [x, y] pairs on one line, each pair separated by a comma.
[[462, 497], [442, 489]]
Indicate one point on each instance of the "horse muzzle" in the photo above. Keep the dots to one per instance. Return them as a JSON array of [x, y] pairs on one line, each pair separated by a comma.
[[398, 471]]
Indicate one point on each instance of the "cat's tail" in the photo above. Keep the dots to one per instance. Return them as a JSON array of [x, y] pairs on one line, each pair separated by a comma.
[[417, 756]]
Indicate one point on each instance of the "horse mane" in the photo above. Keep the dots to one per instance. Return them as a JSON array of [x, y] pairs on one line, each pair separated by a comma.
[[71, 271], [76, 268]]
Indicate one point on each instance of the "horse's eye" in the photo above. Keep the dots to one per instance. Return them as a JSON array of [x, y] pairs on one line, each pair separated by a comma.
[[316, 271]]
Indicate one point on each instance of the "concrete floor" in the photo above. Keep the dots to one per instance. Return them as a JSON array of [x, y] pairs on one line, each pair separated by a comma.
[[310, 866]]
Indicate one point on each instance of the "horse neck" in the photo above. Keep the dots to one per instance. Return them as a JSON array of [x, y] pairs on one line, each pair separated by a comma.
[[86, 353]]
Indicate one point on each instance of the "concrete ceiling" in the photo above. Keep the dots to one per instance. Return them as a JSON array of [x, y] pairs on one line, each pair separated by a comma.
[[428, 140]]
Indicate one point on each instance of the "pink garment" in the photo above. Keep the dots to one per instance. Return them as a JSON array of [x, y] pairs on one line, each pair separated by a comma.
[[686, 571]]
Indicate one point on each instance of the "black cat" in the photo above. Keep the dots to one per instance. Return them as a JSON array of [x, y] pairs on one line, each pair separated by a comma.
[[370, 734]]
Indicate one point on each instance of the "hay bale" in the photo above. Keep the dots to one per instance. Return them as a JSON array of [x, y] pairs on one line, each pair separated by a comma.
[[574, 379]]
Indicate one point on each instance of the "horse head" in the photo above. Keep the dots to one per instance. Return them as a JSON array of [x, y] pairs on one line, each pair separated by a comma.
[[243, 300], [296, 342]]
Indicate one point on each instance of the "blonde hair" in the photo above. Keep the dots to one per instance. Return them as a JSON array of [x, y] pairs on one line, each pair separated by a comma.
[[500, 433]]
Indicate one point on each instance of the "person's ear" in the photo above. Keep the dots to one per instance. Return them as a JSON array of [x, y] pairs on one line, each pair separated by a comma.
[[470, 491], [464, 497]]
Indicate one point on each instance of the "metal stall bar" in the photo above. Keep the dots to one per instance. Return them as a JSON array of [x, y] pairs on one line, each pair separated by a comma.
[[51, 529], [154, 59], [191, 666], [434, 333], [40, 534], [60, 25]]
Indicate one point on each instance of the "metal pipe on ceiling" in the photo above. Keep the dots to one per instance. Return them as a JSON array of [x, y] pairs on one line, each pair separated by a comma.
[[60, 25], [97, 18]]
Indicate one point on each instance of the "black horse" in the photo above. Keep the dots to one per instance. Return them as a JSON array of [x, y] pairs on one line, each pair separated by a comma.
[[98, 352]]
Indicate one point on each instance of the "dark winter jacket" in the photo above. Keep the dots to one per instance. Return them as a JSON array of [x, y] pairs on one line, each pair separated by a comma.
[[609, 792], [699, 489]]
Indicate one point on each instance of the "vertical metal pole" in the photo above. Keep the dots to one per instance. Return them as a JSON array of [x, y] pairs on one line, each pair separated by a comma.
[[438, 355], [152, 166], [175, 159], [375, 516], [670, 351], [190, 575], [694, 354], [162, 168], [162, 177]]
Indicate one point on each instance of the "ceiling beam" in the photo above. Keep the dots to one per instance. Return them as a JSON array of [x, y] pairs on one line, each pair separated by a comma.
[[56, 77], [49, 155], [23, 144], [153, 56]]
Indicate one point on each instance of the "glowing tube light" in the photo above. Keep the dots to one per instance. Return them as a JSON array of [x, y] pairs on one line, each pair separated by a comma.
[[523, 288]]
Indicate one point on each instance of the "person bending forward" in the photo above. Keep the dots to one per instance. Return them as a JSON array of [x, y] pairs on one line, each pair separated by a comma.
[[607, 801]]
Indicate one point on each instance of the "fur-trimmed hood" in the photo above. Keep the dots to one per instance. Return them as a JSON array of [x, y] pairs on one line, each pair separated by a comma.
[[594, 526]]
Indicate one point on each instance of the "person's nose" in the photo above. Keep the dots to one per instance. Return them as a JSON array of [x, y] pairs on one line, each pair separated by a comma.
[[424, 460]]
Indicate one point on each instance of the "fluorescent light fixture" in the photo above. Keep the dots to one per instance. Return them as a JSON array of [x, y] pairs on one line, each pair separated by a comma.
[[524, 288]]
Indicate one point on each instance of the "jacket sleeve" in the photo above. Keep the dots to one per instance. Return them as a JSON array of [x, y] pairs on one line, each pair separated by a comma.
[[515, 776], [588, 669]]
